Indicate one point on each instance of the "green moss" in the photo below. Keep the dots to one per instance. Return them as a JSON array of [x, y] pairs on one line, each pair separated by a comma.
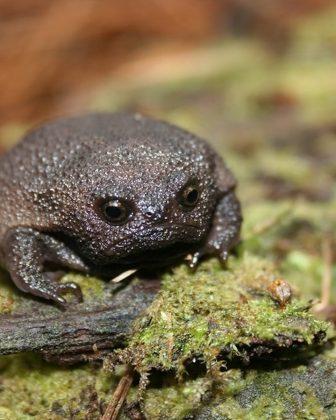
[[293, 392], [32, 388], [274, 391], [7, 296], [176, 398], [215, 311]]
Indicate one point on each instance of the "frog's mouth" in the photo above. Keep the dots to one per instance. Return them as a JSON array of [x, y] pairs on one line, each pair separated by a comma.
[[158, 246], [161, 256]]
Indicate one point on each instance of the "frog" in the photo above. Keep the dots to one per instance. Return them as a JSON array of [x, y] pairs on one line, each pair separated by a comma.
[[104, 191]]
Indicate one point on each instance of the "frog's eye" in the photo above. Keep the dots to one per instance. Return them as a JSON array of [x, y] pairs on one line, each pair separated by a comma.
[[189, 196], [115, 211]]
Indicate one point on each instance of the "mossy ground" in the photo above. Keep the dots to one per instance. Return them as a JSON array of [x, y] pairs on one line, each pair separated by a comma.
[[273, 391], [216, 311], [268, 115], [32, 388]]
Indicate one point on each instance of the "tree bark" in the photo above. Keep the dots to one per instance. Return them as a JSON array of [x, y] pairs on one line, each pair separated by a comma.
[[78, 332]]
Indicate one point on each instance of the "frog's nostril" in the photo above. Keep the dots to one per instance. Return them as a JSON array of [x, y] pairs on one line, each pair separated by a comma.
[[153, 214]]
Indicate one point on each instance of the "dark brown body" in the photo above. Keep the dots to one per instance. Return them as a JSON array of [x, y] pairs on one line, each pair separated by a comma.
[[63, 185]]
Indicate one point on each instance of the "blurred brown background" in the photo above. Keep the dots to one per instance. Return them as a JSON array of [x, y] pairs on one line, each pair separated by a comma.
[[54, 53]]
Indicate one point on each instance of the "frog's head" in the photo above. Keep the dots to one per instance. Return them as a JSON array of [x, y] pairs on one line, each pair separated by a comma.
[[142, 205]]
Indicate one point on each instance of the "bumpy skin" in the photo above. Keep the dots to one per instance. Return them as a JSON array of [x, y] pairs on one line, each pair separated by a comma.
[[55, 183]]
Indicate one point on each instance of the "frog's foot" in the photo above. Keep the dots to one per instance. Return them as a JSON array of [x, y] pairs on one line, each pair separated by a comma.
[[224, 233], [221, 252], [26, 253], [46, 286]]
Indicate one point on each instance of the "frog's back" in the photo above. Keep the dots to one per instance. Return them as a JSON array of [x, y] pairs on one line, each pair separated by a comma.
[[48, 148], [61, 138]]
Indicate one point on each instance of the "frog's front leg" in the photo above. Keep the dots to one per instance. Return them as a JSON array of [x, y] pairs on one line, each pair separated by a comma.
[[224, 232], [26, 253]]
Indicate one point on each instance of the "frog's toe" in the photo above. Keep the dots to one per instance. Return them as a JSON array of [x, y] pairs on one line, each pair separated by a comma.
[[197, 257], [59, 300], [219, 251], [223, 255], [194, 261], [72, 288]]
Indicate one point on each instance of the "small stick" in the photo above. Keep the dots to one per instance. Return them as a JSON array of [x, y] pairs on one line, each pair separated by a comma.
[[327, 273], [119, 395], [124, 275]]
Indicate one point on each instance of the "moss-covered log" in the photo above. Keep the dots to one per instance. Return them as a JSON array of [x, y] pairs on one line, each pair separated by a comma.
[[243, 312]]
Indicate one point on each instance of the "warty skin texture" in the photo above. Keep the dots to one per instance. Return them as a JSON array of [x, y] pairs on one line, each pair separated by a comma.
[[177, 197]]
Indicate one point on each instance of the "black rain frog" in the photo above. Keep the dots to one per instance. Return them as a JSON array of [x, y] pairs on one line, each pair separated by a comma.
[[101, 191]]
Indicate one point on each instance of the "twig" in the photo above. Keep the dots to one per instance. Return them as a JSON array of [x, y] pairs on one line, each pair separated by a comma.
[[124, 275], [71, 335], [119, 395]]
